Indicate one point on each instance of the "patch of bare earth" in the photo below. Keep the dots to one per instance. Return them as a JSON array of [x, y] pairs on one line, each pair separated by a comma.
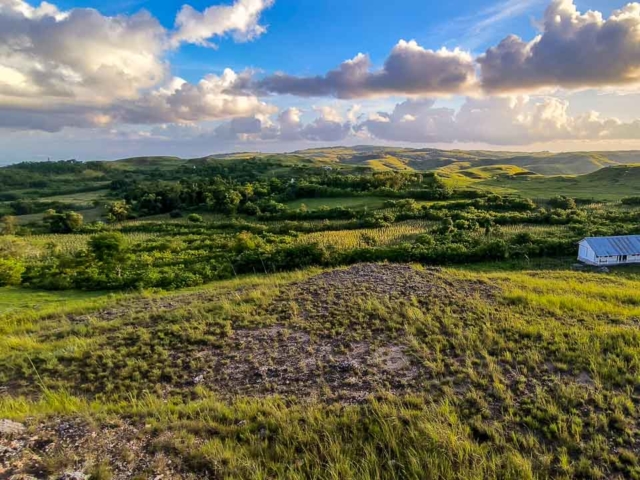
[[299, 358], [276, 360], [70, 449]]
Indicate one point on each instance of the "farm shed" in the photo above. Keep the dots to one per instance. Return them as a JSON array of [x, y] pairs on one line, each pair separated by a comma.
[[610, 250]]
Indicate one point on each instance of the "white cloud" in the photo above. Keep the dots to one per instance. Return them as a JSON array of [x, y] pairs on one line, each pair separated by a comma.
[[409, 70], [517, 120], [81, 68], [181, 102], [574, 50], [240, 20]]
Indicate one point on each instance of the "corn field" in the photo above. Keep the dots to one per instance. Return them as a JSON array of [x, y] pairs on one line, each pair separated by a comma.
[[367, 237], [36, 246]]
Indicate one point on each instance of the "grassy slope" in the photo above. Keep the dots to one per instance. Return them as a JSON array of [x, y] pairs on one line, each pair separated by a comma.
[[612, 183], [545, 163], [531, 377]]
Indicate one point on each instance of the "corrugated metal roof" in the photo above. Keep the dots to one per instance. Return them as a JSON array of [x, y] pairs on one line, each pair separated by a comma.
[[613, 246]]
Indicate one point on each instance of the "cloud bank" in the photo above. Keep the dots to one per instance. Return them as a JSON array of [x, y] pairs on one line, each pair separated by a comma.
[[409, 70], [80, 68], [574, 50]]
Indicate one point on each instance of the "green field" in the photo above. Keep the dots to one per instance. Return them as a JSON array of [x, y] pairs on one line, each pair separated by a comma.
[[346, 202], [83, 197], [612, 183], [16, 301]]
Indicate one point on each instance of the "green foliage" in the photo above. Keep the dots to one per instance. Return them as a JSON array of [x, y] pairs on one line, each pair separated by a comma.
[[108, 247], [118, 211], [562, 202], [11, 271], [65, 222]]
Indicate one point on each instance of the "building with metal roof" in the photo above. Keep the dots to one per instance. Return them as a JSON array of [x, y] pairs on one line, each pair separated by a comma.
[[604, 251]]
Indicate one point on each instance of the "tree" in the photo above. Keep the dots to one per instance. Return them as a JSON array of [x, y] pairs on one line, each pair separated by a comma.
[[66, 222], [108, 247], [565, 203], [11, 271], [118, 211], [9, 225]]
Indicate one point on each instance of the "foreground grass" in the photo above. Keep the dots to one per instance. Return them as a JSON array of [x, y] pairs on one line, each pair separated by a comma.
[[523, 374]]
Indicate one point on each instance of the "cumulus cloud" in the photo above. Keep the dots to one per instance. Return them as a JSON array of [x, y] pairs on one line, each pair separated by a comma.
[[240, 20], [48, 56], [495, 120], [81, 68], [574, 50], [409, 70], [328, 126], [181, 101]]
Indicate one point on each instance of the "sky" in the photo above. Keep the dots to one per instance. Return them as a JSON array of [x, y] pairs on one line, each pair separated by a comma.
[[97, 79]]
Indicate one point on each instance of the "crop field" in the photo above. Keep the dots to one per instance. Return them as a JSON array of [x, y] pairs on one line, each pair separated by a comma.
[[348, 239]]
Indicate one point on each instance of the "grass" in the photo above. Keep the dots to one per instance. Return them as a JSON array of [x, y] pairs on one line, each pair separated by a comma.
[[612, 183], [346, 202], [523, 374], [89, 215], [82, 197]]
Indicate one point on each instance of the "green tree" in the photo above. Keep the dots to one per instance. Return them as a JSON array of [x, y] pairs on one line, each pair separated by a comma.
[[108, 247], [118, 211], [11, 271], [66, 222]]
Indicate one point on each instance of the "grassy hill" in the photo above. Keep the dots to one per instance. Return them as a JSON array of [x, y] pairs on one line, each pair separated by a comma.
[[611, 183], [544, 163], [374, 371]]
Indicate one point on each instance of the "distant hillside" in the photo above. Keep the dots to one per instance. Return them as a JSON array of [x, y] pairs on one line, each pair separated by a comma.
[[544, 163], [610, 183]]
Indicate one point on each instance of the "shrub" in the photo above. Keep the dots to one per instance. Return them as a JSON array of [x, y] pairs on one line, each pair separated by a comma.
[[11, 271], [562, 202], [195, 218]]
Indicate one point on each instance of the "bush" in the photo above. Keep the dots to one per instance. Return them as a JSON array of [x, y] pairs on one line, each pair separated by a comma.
[[195, 218], [11, 271], [107, 246], [631, 201], [562, 202]]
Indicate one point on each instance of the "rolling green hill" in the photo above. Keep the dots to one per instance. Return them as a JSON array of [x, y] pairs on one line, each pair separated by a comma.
[[544, 163], [610, 183]]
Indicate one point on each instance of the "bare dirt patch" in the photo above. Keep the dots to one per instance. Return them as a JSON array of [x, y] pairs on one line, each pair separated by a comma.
[[340, 293], [276, 360]]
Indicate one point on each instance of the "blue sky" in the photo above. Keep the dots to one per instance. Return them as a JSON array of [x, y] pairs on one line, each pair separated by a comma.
[[105, 82]]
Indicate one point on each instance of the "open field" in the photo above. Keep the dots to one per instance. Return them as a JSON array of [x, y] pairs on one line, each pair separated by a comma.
[[347, 202], [381, 371], [405, 325]]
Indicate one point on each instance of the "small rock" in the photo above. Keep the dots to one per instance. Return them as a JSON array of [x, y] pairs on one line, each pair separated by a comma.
[[73, 476], [9, 427], [198, 379]]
